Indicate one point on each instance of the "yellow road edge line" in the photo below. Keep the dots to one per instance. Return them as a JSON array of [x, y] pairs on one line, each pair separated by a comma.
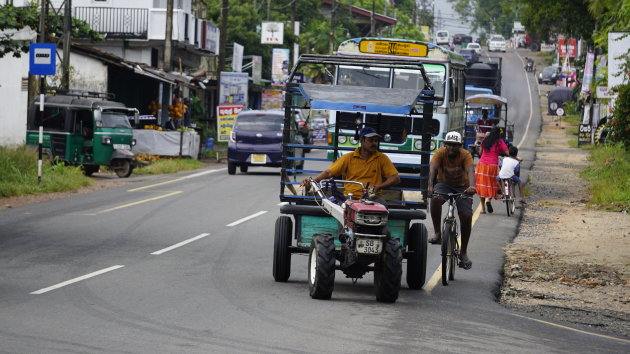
[[139, 202], [572, 329], [437, 275]]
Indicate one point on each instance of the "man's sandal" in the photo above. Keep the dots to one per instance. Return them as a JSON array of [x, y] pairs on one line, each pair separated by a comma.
[[435, 239], [465, 263]]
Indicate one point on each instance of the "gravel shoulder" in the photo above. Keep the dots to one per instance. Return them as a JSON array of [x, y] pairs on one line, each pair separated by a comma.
[[568, 262]]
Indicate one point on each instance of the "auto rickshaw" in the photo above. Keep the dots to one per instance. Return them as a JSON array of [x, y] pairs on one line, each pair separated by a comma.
[[84, 129], [308, 219], [497, 112]]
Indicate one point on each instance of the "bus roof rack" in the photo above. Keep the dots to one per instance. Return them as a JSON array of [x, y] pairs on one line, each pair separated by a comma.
[[80, 93]]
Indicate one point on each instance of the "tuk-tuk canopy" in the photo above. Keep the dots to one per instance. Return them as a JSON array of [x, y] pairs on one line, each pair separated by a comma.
[[487, 99], [360, 99]]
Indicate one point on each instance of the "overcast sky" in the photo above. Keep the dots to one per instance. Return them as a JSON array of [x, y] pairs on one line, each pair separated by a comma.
[[449, 19]]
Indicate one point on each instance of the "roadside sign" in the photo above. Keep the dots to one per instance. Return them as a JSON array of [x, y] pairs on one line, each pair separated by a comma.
[[42, 59], [584, 136]]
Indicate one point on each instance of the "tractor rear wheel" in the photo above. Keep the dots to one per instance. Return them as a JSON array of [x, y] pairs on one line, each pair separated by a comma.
[[281, 252], [417, 259], [388, 273]]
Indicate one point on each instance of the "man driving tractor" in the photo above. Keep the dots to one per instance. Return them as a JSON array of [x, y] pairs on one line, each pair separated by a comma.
[[366, 165]]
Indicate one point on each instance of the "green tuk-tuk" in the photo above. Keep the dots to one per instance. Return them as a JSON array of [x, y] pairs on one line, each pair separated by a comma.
[[84, 129]]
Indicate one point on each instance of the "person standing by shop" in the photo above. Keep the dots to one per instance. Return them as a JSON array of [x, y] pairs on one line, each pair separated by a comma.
[[488, 168]]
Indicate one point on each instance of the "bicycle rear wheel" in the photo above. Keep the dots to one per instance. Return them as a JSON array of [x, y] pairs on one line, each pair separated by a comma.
[[447, 253]]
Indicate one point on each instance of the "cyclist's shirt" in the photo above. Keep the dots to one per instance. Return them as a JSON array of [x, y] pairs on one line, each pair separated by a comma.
[[452, 172], [353, 168], [508, 167]]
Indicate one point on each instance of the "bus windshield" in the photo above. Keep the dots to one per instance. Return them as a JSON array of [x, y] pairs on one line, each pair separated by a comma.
[[363, 76], [412, 79], [115, 120]]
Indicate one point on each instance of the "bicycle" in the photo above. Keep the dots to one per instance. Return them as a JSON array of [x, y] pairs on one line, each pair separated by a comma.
[[507, 185], [450, 237]]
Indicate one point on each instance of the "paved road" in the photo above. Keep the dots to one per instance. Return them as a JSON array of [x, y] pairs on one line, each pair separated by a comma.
[[183, 264]]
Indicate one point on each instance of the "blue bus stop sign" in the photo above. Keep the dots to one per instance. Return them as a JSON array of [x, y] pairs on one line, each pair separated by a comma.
[[42, 59]]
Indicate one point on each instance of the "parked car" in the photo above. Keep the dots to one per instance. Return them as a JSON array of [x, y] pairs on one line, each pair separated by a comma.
[[256, 140], [470, 55], [474, 46], [497, 43], [549, 75]]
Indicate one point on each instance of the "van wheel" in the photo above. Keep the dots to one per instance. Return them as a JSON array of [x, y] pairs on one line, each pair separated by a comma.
[[244, 168], [122, 168], [231, 168]]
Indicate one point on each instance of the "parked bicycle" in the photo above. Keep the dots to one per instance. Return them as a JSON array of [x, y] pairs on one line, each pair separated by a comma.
[[450, 237]]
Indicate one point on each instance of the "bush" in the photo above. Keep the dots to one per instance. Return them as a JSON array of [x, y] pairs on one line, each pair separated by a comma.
[[621, 117]]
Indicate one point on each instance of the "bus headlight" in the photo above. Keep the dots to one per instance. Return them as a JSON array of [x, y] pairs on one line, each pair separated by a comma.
[[341, 139], [433, 145], [106, 140], [353, 141], [387, 138], [133, 142], [417, 144]]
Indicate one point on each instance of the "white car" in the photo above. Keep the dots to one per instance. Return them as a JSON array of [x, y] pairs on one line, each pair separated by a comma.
[[497, 43], [474, 46]]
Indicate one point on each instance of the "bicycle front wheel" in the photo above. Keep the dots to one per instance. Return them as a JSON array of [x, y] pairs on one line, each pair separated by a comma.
[[447, 253]]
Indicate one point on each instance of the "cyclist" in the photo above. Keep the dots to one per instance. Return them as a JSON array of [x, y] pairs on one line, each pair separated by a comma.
[[510, 168], [366, 165], [454, 168]]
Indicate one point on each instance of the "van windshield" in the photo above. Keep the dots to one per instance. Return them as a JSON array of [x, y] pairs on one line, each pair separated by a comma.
[[115, 120], [262, 123]]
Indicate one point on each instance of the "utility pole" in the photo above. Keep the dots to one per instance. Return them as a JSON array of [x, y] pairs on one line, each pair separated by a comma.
[[372, 21], [333, 24], [168, 41], [67, 31], [223, 37]]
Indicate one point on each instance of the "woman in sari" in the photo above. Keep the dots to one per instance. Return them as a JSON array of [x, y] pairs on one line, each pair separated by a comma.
[[488, 168]]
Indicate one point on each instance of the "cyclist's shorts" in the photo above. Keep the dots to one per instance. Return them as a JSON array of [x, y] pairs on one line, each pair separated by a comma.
[[464, 205], [515, 178]]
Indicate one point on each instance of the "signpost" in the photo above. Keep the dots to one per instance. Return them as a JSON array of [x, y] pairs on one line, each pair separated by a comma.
[[42, 61]]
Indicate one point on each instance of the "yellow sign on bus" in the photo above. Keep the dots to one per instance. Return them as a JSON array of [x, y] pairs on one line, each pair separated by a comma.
[[394, 48]]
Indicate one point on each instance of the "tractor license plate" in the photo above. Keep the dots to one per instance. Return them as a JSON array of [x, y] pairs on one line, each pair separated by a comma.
[[259, 158], [122, 146], [369, 246]]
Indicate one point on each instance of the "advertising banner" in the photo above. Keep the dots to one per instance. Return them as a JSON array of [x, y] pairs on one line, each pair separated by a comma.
[[256, 68], [225, 120], [279, 66], [237, 58], [233, 88], [584, 136], [272, 33], [588, 73], [569, 45], [212, 38], [271, 99], [618, 45]]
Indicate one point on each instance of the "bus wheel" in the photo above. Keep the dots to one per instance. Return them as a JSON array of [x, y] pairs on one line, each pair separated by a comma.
[[123, 168]]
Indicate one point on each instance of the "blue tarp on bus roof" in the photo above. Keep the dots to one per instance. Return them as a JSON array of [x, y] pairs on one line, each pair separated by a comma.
[[360, 99]]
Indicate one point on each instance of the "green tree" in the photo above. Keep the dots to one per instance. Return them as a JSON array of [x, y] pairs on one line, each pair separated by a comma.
[[549, 18], [18, 18]]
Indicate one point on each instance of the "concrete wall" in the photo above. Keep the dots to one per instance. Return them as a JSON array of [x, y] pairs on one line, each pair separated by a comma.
[[13, 99]]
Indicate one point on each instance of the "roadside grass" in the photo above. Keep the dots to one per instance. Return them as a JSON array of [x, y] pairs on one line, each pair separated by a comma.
[[18, 174], [608, 173], [609, 176], [168, 165]]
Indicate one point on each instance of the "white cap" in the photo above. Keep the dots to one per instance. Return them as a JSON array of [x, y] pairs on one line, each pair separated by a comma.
[[453, 137]]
